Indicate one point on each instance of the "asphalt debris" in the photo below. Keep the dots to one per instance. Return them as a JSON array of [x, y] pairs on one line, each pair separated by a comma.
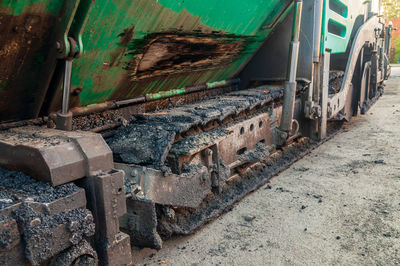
[[249, 218], [16, 186]]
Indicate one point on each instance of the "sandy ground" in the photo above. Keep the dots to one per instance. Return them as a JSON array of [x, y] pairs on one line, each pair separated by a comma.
[[338, 206]]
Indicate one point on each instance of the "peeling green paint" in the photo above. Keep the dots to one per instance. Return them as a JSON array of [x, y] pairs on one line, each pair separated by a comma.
[[211, 85], [110, 22], [164, 94]]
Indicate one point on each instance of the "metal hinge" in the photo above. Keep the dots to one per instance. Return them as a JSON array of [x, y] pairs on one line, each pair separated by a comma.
[[69, 47]]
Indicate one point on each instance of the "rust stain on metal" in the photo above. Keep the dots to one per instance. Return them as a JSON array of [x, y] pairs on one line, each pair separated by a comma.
[[126, 36], [167, 54], [117, 54], [20, 37], [24, 45], [172, 55]]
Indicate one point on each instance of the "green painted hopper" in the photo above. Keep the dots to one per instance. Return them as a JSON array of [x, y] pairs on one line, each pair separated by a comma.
[[131, 48]]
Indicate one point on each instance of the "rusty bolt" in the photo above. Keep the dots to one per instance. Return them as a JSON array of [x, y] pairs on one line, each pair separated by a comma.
[[58, 45], [35, 222], [73, 226], [76, 91], [136, 189], [134, 173], [89, 218]]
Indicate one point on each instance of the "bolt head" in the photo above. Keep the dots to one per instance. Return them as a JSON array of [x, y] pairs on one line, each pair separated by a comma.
[[59, 47], [134, 173], [35, 222], [136, 189]]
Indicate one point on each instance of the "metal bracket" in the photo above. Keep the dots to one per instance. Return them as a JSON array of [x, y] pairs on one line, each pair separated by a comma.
[[106, 199], [176, 190], [312, 110], [338, 102], [71, 44], [211, 160], [69, 48]]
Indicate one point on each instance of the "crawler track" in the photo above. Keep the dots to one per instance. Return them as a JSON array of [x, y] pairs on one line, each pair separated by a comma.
[[147, 140], [188, 220], [155, 140]]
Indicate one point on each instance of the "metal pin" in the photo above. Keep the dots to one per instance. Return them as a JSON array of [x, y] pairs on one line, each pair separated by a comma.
[[66, 86]]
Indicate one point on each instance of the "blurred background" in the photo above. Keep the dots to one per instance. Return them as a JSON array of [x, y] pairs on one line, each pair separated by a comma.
[[391, 12]]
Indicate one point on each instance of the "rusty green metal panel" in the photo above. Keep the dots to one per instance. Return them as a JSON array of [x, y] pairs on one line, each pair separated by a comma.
[[339, 23], [28, 30], [134, 48], [140, 47]]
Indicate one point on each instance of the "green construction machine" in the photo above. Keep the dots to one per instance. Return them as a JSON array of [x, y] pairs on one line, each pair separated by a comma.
[[126, 122]]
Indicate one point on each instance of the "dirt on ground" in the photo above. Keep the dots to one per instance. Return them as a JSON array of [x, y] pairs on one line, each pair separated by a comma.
[[340, 205]]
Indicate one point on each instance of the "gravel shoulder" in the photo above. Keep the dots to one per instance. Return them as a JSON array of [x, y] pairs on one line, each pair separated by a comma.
[[339, 205]]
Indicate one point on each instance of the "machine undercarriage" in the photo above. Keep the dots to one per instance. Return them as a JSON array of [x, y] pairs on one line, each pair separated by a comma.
[[84, 183]]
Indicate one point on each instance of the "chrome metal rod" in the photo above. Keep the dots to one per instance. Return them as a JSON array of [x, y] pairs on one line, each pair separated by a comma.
[[294, 58], [291, 84], [318, 13], [66, 87]]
